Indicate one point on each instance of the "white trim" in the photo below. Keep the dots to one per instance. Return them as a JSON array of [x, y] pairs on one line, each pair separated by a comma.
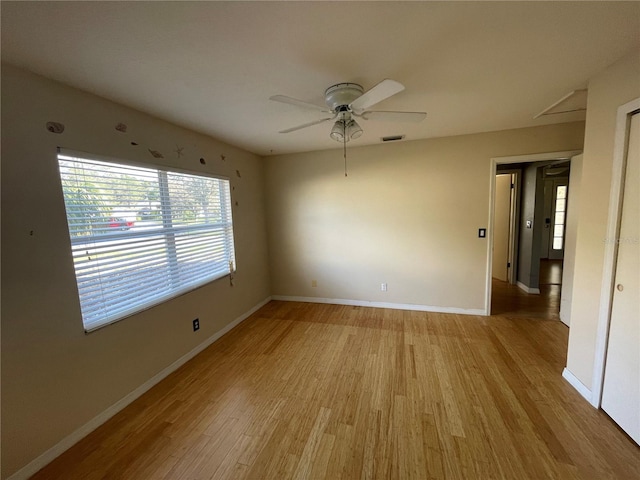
[[537, 157], [611, 250], [534, 157], [514, 225], [365, 303], [44, 459], [579, 386], [563, 317], [493, 167], [523, 287]]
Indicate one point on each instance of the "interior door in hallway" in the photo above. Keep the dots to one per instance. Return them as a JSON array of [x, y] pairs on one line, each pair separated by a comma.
[[502, 216], [621, 390], [558, 218]]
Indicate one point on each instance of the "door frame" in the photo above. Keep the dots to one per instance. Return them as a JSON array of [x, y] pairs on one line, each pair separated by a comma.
[[621, 143], [514, 231], [493, 168], [514, 221]]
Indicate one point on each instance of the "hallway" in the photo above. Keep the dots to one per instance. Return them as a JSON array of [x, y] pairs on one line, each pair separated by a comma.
[[550, 272], [510, 301]]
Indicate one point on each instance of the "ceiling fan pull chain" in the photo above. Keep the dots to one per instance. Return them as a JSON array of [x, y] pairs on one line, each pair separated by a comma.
[[344, 144]]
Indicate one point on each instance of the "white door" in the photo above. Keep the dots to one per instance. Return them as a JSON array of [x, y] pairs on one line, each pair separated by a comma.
[[548, 214], [501, 220], [621, 389], [560, 194]]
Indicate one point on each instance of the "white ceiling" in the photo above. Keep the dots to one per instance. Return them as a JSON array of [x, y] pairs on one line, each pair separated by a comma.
[[212, 66]]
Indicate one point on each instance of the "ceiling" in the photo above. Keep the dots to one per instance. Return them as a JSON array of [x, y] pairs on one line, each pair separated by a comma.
[[212, 66]]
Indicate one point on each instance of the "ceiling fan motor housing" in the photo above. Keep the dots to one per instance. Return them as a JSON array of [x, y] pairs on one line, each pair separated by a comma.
[[342, 94]]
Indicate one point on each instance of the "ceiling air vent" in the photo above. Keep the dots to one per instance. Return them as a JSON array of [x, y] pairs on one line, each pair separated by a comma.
[[392, 138]]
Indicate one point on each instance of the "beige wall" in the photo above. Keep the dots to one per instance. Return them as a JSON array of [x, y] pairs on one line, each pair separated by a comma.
[[54, 377], [571, 228], [615, 86], [408, 215]]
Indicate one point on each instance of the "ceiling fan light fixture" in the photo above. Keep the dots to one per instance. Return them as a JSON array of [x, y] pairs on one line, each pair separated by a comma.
[[338, 131], [354, 130]]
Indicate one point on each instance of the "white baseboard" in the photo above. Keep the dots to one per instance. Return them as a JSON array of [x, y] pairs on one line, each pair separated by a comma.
[[522, 286], [67, 442], [564, 316], [397, 306], [578, 385]]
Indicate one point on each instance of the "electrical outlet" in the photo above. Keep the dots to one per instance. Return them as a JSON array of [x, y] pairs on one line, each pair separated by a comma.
[[383, 287], [314, 283], [196, 324]]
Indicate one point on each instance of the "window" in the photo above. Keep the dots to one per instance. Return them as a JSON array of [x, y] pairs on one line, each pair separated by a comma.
[[140, 236], [559, 217]]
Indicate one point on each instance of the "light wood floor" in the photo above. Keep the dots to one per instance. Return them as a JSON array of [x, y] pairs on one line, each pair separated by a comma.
[[512, 302], [550, 272], [325, 391]]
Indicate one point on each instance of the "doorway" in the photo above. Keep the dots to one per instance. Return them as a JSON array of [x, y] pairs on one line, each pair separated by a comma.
[[521, 293]]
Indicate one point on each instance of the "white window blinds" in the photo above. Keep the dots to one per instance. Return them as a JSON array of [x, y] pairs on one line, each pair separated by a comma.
[[142, 235]]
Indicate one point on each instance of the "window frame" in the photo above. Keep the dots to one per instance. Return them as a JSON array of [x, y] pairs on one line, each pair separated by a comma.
[[116, 162]]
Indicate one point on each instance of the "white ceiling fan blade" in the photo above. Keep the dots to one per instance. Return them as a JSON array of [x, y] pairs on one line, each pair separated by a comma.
[[310, 124], [414, 117], [298, 103], [385, 89]]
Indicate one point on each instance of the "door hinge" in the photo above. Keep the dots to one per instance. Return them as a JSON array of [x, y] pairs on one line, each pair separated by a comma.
[[508, 264], [512, 185]]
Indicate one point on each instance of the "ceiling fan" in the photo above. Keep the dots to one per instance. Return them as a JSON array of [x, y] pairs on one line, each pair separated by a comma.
[[348, 101]]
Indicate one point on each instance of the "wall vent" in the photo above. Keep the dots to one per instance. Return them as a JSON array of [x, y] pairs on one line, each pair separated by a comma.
[[392, 138]]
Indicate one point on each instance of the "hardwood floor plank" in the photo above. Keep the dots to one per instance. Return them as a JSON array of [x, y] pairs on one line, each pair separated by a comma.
[[431, 447], [321, 460], [303, 470]]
